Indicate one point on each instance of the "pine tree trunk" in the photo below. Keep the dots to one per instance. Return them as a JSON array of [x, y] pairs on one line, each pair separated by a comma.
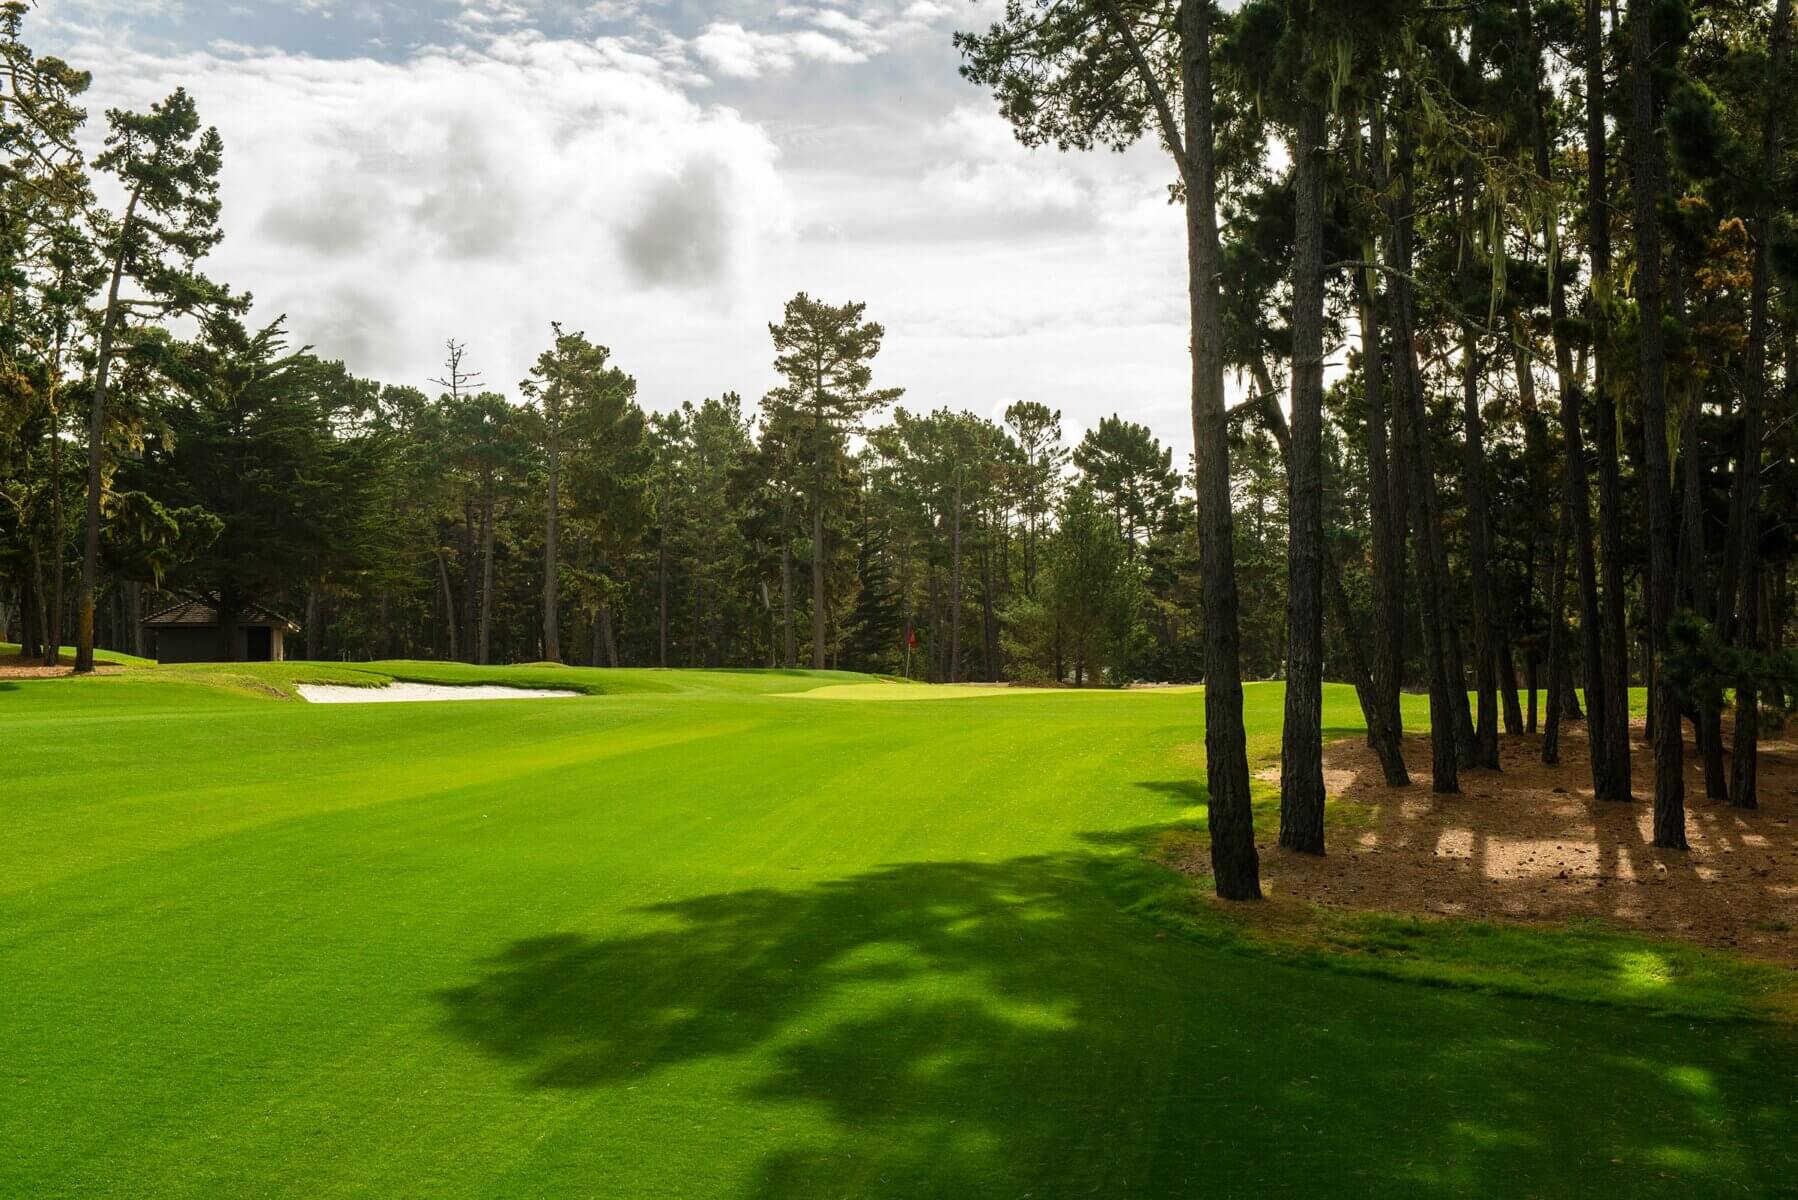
[[955, 585], [449, 603], [1507, 684], [1388, 629], [471, 557], [1614, 715], [1745, 517], [818, 577], [134, 615], [552, 634], [96, 450], [608, 637], [662, 580], [1532, 684], [58, 542], [1707, 718], [1235, 864], [1382, 734], [1537, 454], [790, 639], [1669, 748], [989, 624], [486, 635], [1576, 489], [1557, 645], [312, 650], [1485, 645], [1448, 692], [37, 640], [1301, 742]]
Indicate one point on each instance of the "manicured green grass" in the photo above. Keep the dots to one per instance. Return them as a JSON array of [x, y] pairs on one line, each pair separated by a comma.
[[694, 934], [117, 657]]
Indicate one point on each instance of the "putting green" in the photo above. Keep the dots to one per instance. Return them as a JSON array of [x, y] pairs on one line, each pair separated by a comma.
[[682, 937], [916, 691]]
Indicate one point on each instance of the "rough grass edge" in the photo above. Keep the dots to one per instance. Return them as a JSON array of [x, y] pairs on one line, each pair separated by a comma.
[[1586, 961]]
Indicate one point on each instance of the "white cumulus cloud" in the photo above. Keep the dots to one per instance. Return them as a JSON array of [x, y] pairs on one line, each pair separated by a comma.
[[477, 193]]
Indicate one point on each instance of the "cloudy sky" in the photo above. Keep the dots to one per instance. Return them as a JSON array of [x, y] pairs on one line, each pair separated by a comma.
[[661, 174]]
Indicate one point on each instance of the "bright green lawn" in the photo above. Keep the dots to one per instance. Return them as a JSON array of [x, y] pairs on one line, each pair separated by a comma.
[[67, 653], [698, 936]]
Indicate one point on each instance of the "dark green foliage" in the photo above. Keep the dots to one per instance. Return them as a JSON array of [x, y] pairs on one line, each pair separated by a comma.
[[1132, 474], [1092, 591], [874, 635], [1698, 134], [252, 438]]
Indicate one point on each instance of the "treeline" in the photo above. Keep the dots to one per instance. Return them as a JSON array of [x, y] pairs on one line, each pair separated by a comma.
[[155, 443], [158, 445]]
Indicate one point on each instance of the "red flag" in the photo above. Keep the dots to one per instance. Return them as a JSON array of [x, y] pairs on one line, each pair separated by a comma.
[[911, 639]]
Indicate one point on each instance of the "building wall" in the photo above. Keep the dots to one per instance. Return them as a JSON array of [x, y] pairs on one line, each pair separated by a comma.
[[200, 643], [177, 644]]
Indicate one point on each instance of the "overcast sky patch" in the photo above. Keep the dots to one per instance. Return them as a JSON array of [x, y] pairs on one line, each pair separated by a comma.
[[662, 174]]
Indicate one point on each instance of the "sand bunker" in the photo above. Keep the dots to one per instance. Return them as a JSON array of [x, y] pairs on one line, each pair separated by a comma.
[[324, 693]]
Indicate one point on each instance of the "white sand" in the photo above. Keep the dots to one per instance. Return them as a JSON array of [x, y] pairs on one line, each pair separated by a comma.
[[323, 693]]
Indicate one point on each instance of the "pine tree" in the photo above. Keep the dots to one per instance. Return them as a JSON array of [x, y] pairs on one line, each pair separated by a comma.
[[168, 169]]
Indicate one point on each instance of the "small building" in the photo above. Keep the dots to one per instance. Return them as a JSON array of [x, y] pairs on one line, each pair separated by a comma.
[[189, 632]]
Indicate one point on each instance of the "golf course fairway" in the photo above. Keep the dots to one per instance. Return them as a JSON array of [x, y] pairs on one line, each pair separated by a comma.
[[694, 936]]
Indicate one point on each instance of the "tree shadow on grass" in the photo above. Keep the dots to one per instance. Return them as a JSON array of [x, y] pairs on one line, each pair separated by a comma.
[[1002, 1029], [1185, 793]]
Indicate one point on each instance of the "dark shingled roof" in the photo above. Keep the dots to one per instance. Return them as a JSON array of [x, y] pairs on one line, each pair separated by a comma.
[[200, 614]]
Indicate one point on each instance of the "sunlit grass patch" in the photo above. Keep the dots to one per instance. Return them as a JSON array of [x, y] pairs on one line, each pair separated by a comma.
[[1585, 961]]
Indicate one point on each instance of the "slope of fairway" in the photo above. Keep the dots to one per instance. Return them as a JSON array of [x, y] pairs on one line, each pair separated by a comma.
[[918, 691], [683, 937]]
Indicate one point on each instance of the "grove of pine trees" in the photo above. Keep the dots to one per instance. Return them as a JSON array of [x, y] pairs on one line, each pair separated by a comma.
[[1493, 317]]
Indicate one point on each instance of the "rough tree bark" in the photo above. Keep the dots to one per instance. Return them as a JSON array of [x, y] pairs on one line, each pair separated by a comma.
[[1557, 645], [1745, 517], [1382, 734], [312, 630], [1611, 776], [449, 603], [1448, 694], [1669, 748], [1235, 864], [96, 452], [1576, 487], [1707, 718], [1301, 741], [1536, 451], [1479, 512], [1388, 630]]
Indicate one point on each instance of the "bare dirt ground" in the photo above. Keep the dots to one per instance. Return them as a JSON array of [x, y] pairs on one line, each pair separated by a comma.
[[13, 666], [1530, 843]]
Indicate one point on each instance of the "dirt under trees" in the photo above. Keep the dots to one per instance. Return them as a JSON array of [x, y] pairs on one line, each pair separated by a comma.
[[1530, 843]]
